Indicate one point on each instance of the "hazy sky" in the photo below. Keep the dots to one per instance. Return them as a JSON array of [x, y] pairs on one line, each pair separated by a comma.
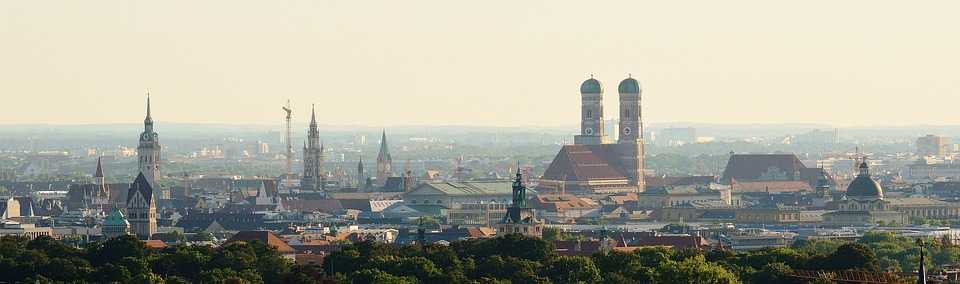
[[498, 63]]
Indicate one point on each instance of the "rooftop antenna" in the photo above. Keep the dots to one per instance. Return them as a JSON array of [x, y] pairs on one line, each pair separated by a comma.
[[288, 133]]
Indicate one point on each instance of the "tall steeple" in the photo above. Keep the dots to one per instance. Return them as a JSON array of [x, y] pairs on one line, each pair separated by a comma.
[[148, 121], [313, 156], [149, 151], [360, 178], [98, 174], [384, 161]]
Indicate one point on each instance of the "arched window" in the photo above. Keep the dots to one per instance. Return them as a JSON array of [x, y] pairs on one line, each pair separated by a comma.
[[588, 114]]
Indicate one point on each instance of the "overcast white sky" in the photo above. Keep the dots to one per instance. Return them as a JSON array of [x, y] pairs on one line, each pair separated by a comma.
[[496, 63]]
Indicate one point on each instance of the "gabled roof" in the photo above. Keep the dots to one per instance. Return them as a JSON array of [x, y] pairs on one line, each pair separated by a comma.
[[476, 188], [749, 167], [584, 162], [140, 185], [265, 237]]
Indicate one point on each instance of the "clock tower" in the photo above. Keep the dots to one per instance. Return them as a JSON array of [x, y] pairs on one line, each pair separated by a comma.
[[591, 114], [630, 142]]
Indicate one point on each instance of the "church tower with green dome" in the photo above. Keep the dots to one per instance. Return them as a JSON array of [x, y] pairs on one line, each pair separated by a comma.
[[591, 114]]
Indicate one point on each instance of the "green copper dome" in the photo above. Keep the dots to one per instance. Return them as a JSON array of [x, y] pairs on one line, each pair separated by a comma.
[[116, 219], [591, 86], [629, 86]]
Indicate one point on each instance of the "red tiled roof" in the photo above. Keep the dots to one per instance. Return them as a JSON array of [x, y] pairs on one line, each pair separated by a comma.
[[675, 241], [583, 162], [567, 202], [154, 244], [266, 237]]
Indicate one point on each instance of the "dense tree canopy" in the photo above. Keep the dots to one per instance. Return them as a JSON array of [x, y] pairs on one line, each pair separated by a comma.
[[507, 259]]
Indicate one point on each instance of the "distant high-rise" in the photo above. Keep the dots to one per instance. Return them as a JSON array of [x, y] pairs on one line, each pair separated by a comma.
[[313, 157], [149, 150], [142, 208], [932, 145], [384, 161]]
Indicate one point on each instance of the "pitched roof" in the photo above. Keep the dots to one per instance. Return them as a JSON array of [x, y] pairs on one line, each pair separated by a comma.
[[555, 203], [154, 244], [770, 186], [467, 188], [140, 185], [752, 166], [583, 162], [265, 237]]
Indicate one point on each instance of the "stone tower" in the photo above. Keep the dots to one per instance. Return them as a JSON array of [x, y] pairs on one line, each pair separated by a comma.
[[313, 157], [630, 149], [591, 114], [149, 150], [142, 208], [384, 161]]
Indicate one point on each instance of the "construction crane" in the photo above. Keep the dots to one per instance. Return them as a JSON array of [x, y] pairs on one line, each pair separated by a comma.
[[287, 135]]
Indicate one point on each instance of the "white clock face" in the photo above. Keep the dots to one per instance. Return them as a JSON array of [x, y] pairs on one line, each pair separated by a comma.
[[627, 131], [588, 131]]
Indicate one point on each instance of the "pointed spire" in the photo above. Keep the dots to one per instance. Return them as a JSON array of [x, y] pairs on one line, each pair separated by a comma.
[[99, 172], [148, 105], [313, 115], [384, 154]]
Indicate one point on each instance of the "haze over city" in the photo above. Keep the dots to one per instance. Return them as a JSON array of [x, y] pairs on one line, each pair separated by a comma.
[[406, 142], [501, 63]]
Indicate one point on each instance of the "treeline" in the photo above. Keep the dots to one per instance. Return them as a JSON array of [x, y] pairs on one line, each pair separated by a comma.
[[126, 259], [517, 259], [508, 259]]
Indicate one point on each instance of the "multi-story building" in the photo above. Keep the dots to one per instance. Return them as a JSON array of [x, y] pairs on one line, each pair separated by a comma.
[[932, 145]]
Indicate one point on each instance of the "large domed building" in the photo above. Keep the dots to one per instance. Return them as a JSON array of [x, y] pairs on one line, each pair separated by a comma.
[[866, 204]]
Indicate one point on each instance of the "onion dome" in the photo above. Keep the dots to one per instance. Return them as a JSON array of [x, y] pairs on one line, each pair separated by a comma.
[[629, 86], [591, 86], [863, 186]]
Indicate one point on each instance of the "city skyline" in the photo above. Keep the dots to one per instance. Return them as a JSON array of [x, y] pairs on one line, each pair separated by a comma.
[[390, 64]]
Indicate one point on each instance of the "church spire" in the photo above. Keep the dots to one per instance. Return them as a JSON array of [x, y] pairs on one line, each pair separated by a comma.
[[384, 154], [99, 172], [148, 121], [313, 115]]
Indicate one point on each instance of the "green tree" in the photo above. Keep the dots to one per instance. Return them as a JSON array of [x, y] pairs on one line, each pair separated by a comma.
[[572, 269], [374, 276], [551, 234], [852, 256], [694, 270], [776, 272]]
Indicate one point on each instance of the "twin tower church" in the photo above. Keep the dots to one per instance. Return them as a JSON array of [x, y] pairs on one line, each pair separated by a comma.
[[594, 164]]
